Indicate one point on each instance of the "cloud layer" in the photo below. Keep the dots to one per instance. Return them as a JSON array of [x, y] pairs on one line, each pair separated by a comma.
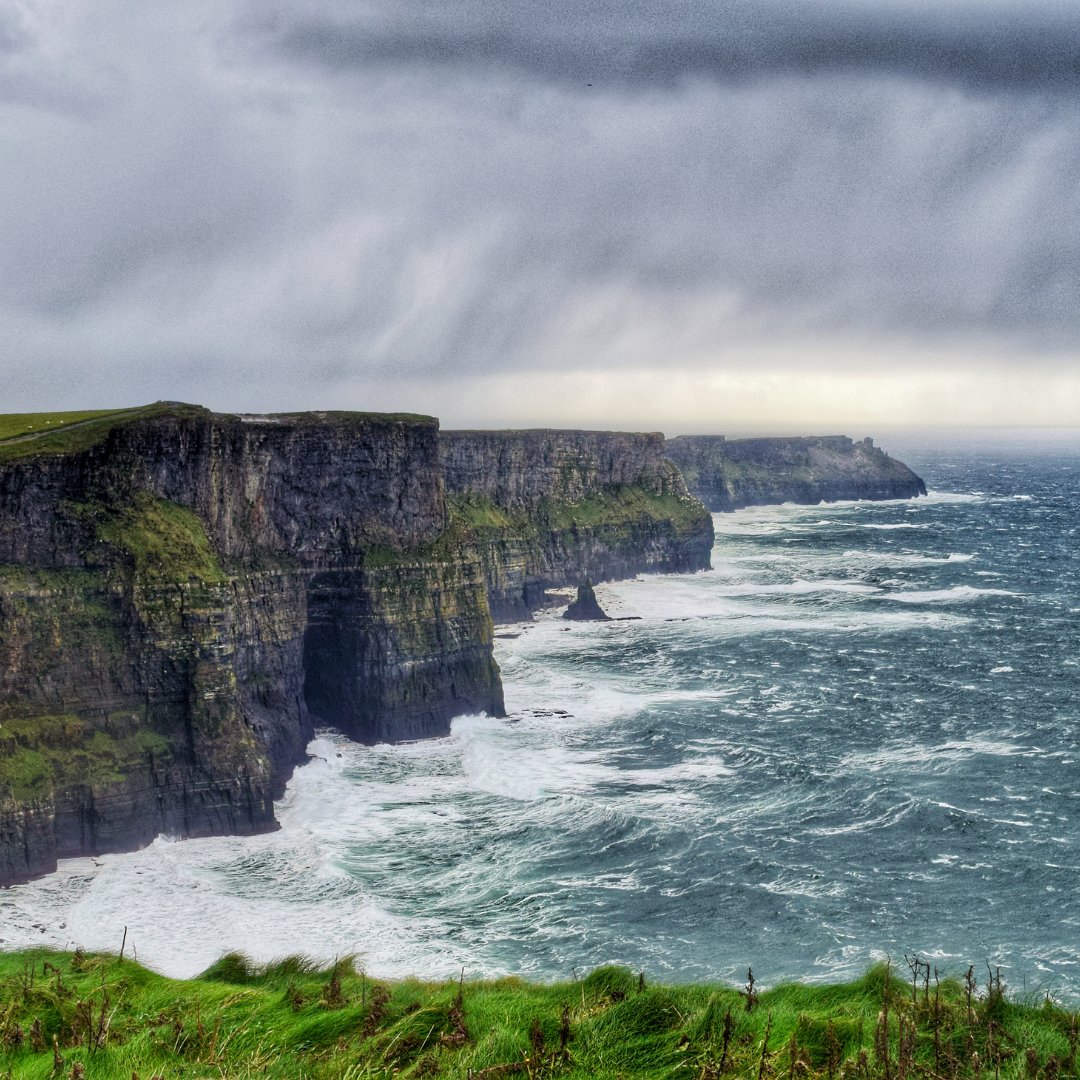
[[287, 204]]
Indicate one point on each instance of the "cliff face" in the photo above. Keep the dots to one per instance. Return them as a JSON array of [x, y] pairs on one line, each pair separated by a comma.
[[728, 475], [545, 509], [183, 596]]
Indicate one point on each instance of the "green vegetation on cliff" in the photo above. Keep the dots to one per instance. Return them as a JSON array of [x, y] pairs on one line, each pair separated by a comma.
[[623, 506], [24, 435], [68, 1015], [163, 540], [42, 754], [610, 509]]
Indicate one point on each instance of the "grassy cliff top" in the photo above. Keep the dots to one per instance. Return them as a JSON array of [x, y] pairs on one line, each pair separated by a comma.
[[69, 1014], [517, 433], [30, 434], [339, 417]]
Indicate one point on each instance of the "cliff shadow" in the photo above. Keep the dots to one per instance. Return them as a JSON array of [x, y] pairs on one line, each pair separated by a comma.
[[336, 642]]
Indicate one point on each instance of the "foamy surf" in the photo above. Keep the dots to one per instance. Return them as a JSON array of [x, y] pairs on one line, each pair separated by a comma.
[[956, 594]]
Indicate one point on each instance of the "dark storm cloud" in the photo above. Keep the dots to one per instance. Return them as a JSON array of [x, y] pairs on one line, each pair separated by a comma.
[[257, 203], [659, 44]]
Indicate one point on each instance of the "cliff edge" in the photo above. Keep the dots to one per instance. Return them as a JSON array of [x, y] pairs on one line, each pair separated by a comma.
[[185, 595], [731, 474]]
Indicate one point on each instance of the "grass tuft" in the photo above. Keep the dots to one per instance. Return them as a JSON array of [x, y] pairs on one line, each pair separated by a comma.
[[93, 1015]]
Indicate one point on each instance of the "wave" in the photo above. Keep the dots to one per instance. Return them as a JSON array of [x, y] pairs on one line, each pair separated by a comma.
[[890, 526], [935, 497], [958, 593]]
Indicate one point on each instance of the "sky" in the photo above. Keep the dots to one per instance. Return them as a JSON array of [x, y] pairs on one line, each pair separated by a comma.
[[679, 215]]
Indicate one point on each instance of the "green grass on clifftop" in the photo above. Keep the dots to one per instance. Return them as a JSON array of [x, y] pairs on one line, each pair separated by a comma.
[[13, 425], [70, 1015], [25, 435]]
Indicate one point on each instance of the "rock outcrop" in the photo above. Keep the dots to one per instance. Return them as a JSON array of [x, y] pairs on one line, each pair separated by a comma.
[[184, 595], [586, 608], [731, 474], [545, 508]]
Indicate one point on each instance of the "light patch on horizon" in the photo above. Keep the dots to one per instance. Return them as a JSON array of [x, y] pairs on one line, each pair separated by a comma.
[[778, 402]]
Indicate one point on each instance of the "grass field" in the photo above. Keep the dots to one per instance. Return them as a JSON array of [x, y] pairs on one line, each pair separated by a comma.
[[70, 1015], [25, 435], [14, 425]]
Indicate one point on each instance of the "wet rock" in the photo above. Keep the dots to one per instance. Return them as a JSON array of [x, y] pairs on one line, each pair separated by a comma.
[[586, 608]]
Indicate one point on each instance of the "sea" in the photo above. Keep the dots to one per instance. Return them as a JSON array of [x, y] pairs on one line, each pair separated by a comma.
[[856, 738]]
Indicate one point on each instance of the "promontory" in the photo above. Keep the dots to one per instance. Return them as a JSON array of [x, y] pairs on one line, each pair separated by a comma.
[[185, 596]]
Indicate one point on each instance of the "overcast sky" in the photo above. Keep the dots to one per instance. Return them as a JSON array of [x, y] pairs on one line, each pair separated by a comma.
[[672, 214]]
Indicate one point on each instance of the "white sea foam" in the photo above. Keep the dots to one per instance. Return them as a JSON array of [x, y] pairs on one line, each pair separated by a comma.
[[889, 526], [181, 915], [956, 594], [722, 610], [937, 498], [902, 558]]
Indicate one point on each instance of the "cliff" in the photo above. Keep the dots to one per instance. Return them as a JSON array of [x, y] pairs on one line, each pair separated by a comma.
[[730, 474], [184, 595], [544, 509]]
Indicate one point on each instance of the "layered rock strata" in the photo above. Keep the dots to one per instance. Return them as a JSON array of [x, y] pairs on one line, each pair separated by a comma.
[[731, 474], [544, 509], [184, 596]]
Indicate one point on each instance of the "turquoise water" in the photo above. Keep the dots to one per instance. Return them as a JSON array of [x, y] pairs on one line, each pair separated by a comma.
[[856, 736]]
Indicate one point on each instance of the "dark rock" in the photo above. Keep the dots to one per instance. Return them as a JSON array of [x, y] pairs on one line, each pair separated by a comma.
[[586, 608], [184, 596]]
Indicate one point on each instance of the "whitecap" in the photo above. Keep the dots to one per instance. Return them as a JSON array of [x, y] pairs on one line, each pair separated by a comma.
[[890, 526], [934, 497], [938, 596]]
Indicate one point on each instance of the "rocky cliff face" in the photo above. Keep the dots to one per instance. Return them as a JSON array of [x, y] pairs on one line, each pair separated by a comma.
[[728, 475], [545, 509], [183, 596]]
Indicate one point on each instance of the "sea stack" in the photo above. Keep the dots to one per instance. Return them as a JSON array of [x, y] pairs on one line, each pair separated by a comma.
[[586, 608]]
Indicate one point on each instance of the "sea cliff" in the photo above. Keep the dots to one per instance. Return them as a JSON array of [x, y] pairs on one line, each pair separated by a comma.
[[731, 474], [545, 509], [185, 596]]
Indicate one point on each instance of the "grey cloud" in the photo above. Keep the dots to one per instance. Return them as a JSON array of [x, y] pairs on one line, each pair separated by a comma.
[[232, 224], [660, 44]]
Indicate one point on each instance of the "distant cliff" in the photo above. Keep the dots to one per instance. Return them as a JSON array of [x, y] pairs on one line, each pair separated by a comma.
[[547, 508], [730, 474], [185, 596]]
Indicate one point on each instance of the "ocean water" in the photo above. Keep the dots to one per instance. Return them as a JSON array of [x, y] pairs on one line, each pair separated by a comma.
[[856, 737]]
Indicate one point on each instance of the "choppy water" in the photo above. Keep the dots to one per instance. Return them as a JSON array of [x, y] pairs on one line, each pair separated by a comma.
[[856, 736]]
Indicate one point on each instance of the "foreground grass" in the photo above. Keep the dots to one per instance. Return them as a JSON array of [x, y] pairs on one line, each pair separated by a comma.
[[69, 1015]]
